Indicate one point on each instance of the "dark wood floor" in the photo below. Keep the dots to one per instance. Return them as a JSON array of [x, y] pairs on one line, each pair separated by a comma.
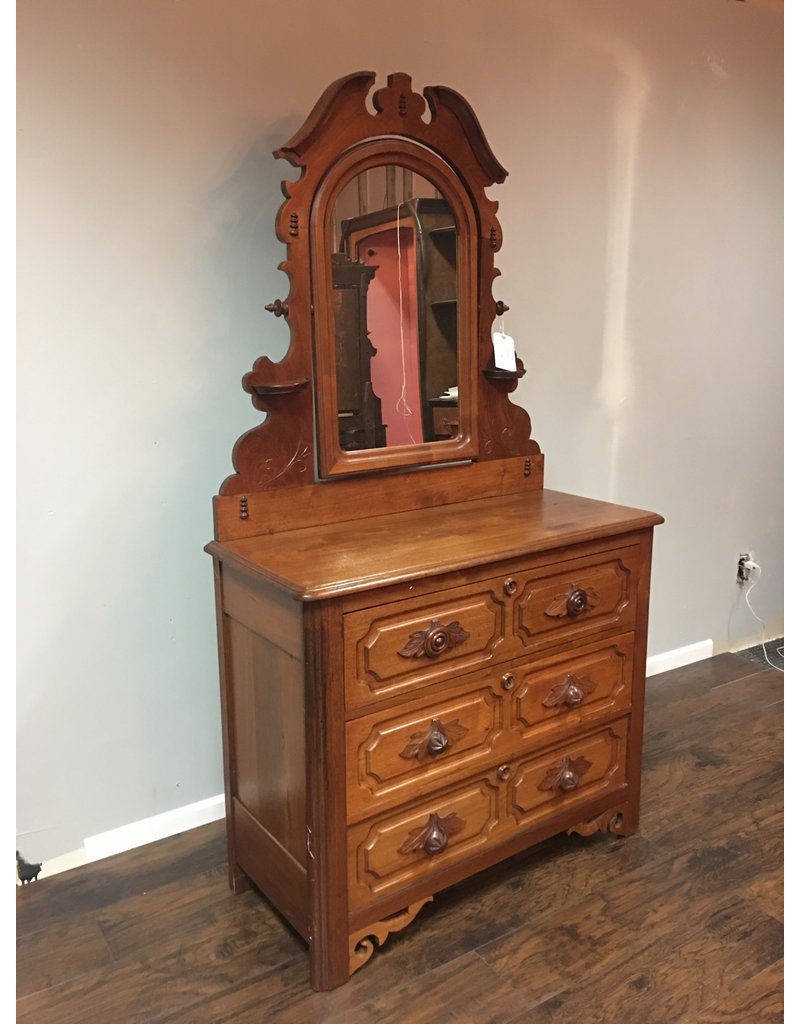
[[680, 924]]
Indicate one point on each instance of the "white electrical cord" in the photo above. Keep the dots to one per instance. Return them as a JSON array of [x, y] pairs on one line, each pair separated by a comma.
[[755, 567]]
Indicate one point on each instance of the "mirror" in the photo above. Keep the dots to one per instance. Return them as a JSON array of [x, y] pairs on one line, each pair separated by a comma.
[[394, 277]]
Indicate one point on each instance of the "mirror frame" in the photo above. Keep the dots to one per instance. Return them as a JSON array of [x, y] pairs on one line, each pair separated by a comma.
[[438, 133], [333, 461]]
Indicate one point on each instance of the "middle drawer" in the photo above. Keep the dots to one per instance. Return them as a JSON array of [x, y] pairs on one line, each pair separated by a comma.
[[396, 753]]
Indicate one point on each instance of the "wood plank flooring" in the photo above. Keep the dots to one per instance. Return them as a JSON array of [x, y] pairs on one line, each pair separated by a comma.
[[680, 924]]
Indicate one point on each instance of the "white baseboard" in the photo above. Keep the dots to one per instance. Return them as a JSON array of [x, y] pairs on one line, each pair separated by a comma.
[[679, 657], [138, 833]]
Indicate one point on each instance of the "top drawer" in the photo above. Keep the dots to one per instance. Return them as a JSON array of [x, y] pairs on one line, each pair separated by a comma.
[[405, 644], [394, 649], [577, 599]]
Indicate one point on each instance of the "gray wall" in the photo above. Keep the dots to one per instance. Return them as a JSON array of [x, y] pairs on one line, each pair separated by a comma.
[[642, 264]]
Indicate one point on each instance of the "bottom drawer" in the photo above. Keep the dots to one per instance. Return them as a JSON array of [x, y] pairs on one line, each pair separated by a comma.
[[405, 847]]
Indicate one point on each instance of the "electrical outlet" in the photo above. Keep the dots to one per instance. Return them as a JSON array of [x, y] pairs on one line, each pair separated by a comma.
[[743, 569]]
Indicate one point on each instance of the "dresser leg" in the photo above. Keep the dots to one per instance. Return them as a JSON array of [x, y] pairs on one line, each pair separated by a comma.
[[238, 880], [329, 965]]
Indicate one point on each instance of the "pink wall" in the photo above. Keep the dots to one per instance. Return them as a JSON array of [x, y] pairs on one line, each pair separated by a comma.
[[393, 330]]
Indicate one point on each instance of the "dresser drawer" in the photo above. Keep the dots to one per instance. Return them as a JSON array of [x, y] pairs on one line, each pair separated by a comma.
[[404, 847], [408, 845], [576, 599], [573, 773], [392, 753], [564, 694], [391, 650]]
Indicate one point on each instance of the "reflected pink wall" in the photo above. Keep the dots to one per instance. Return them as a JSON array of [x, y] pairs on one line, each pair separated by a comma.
[[393, 330]]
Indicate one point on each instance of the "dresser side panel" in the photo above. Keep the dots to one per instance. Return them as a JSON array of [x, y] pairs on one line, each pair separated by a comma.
[[269, 737], [265, 741]]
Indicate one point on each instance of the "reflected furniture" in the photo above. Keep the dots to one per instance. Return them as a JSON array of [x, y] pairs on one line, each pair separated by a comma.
[[426, 229], [428, 661]]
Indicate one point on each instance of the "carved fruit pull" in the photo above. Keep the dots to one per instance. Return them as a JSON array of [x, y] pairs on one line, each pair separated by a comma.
[[433, 641], [570, 693], [575, 602], [434, 741], [566, 775], [434, 835]]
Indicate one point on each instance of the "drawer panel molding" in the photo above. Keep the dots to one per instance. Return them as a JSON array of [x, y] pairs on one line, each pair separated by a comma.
[[598, 594], [391, 853], [579, 771], [390, 651], [568, 692], [390, 754]]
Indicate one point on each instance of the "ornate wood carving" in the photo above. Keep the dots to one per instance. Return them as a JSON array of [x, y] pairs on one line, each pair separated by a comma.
[[570, 693], [434, 740], [608, 821], [433, 837], [363, 942], [575, 602], [566, 775], [433, 641], [277, 307], [404, 127]]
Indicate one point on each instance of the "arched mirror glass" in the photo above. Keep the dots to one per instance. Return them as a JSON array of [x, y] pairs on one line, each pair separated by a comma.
[[395, 293]]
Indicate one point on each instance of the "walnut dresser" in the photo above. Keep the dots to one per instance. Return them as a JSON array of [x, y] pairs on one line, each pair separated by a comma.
[[429, 662]]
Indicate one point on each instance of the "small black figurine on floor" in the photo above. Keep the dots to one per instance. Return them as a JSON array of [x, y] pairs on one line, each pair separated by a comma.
[[27, 872]]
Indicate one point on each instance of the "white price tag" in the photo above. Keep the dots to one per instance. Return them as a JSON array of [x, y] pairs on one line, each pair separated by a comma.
[[505, 357]]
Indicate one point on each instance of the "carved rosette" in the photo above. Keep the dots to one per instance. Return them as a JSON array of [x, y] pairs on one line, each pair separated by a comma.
[[433, 641]]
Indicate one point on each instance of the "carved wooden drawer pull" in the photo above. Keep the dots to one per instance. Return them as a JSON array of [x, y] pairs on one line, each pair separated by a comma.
[[433, 641], [575, 602], [434, 835], [435, 740], [566, 775], [570, 693]]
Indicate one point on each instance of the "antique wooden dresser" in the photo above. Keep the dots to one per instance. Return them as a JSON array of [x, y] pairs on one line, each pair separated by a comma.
[[428, 661]]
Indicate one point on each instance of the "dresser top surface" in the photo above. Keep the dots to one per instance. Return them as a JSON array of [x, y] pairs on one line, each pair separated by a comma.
[[343, 558]]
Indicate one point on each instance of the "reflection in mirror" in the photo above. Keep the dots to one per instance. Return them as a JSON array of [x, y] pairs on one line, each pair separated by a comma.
[[394, 270]]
